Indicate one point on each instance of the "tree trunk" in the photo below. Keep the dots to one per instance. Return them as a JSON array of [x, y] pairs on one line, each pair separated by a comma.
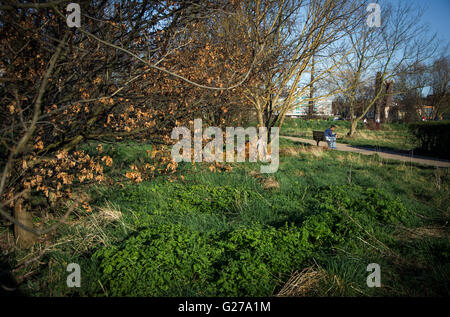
[[260, 117], [378, 103], [311, 91], [24, 238], [353, 119], [353, 125], [389, 90]]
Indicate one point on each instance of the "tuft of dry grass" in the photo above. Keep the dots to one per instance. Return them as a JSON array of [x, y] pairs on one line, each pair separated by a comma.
[[424, 232], [303, 283], [270, 183], [360, 159], [289, 151], [352, 158], [299, 173], [85, 232], [254, 174], [109, 212], [368, 135], [316, 151], [89, 230], [266, 183]]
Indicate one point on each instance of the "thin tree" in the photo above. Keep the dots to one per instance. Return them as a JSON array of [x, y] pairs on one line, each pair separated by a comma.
[[400, 42]]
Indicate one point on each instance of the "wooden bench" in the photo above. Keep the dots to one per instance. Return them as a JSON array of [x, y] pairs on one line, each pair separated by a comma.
[[319, 136]]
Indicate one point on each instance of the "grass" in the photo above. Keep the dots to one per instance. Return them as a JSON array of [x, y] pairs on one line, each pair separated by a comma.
[[310, 229], [392, 136]]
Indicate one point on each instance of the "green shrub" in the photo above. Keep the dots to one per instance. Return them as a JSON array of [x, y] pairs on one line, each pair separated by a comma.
[[249, 260], [258, 258], [176, 261], [160, 261], [148, 198], [356, 201], [209, 199], [338, 213], [433, 138]]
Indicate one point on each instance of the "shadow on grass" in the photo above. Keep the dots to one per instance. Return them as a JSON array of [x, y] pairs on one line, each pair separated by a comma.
[[8, 284], [403, 153]]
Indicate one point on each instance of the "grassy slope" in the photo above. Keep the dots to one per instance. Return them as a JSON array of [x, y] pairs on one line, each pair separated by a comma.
[[392, 136], [214, 233]]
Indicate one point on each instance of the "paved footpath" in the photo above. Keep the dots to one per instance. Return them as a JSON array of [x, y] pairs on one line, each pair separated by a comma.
[[392, 155]]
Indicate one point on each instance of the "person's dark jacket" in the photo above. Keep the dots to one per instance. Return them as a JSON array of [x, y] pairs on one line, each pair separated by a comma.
[[329, 133]]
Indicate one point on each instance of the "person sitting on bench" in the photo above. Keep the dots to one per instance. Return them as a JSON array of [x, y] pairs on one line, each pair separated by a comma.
[[330, 137]]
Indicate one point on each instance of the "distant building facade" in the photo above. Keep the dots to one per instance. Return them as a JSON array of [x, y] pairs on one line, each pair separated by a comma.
[[300, 107]]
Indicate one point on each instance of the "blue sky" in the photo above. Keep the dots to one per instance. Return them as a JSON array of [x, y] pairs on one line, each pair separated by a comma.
[[437, 16]]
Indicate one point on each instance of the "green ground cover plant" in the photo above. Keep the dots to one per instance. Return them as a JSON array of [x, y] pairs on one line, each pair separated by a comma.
[[199, 232]]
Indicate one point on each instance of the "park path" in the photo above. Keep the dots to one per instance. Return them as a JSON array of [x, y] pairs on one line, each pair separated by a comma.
[[392, 155]]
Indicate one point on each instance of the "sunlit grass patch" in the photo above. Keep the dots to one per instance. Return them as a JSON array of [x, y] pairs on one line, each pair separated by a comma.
[[311, 207], [392, 136]]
